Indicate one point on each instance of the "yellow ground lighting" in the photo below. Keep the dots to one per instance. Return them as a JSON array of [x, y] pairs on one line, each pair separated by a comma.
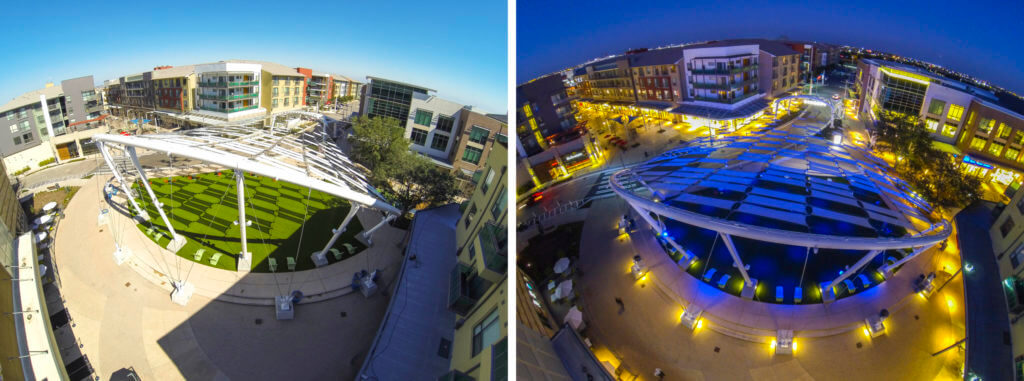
[[772, 345], [951, 304], [867, 333], [700, 323], [794, 345]]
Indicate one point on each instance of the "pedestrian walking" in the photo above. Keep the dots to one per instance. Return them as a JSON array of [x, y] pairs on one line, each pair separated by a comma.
[[659, 373]]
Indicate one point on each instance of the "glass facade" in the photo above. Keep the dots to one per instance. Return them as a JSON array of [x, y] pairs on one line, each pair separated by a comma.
[[418, 137], [389, 99], [901, 95]]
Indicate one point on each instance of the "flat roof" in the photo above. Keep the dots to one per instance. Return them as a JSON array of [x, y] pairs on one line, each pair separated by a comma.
[[32, 97], [417, 320], [425, 90], [719, 113], [174, 72]]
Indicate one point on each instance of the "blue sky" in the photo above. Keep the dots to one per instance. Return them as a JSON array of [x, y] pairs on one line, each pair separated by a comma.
[[977, 37], [457, 48]]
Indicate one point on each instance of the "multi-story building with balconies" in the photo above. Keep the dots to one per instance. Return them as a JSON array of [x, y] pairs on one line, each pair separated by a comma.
[[389, 98], [610, 80], [173, 88], [474, 144], [55, 122], [229, 90], [543, 109], [478, 293], [655, 73], [342, 86], [719, 75]]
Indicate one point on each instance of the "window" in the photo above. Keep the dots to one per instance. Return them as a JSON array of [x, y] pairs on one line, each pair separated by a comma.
[[295, 101], [423, 117], [985, 125], [1011, 154], [275, 91], [499, 204], [286, 102], [1004, 131], [439, 142], [501, 138], [10, 115], [955, 112], [27, 137], [487, 180], [275, 84], [445, 123], [487, 332], [977, 144], [273, 103], [995, 149], [23, 126], [932, 125], [479, 135], [949, 130], [287, 91], [418, 136], [936, 107], [1007, 225], [297, 92], [472, 155]]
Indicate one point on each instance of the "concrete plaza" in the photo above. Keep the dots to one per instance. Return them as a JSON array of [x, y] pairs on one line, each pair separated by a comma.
[[124, 317], [646, 334]]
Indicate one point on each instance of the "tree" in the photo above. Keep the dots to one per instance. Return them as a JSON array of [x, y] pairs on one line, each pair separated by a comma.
[[416, 181], [932, 173], [377, 143]]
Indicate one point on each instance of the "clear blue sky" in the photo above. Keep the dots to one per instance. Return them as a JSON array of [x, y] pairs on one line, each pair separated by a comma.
[[978, 37], [458, 48]]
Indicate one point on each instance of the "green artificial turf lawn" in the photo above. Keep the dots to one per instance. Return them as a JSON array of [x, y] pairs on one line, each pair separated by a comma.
[[204, 208]]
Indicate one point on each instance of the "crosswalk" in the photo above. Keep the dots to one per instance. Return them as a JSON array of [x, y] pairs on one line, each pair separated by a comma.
[[602, 189]]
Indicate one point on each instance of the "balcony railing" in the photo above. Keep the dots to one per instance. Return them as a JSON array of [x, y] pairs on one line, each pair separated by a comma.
[[493, 247], [726, 100], [461, 297], [724, 86], [228, 97], [724, 71], [228, 84], [236, 109]]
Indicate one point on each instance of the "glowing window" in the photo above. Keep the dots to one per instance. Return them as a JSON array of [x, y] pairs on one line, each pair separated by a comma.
[[949, 130], [995, 149], [955, 112], [1004, 131], [1011, 153], [985, 125], [932, 125], [977, 144]]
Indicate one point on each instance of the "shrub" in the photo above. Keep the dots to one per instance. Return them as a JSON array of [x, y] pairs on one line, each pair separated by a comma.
[[47, 161], [20, 171]]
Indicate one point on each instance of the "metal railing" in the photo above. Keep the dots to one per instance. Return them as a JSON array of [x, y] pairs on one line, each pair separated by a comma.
[[228, 97], [216, 109], [228, 84], [717, 71]]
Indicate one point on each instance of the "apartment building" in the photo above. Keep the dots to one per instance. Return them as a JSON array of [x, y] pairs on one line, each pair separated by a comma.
[[229, 90], [283, 88], [609, 80], [983, 131], [543, 108], [656, 76], [1007, 234], [475, 140], [174, 88], [55, 122], [342, 86], [721, 74], [478, 292], [783, 75]]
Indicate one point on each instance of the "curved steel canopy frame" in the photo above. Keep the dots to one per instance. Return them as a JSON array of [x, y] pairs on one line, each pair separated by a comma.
[[202, 152], [936, 234]]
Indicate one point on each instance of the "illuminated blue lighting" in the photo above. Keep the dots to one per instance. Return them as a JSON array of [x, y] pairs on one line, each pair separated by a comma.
[[970, 160]]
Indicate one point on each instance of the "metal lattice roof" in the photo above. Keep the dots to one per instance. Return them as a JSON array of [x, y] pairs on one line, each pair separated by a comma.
[[789, 182], [308, 157]]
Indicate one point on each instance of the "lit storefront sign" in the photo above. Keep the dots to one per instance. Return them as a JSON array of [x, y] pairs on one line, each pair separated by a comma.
[[971, 161]]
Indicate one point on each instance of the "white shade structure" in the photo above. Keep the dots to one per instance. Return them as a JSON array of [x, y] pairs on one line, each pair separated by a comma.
[[574, 318]]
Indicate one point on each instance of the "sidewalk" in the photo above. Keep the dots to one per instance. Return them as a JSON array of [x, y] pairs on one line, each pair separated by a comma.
[[163, 268]]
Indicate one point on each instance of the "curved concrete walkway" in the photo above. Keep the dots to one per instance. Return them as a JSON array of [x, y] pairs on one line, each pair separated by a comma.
[[162, 267]]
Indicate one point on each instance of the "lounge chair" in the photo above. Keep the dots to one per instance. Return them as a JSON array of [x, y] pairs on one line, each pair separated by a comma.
[[291, 263], [721, 282], [850, 286], [798, 295], [864, 281], [349, 248], [149, 231], [198, 256], [337, 254], [709, 274], [215, 258], [272, 264], [779, 293]]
